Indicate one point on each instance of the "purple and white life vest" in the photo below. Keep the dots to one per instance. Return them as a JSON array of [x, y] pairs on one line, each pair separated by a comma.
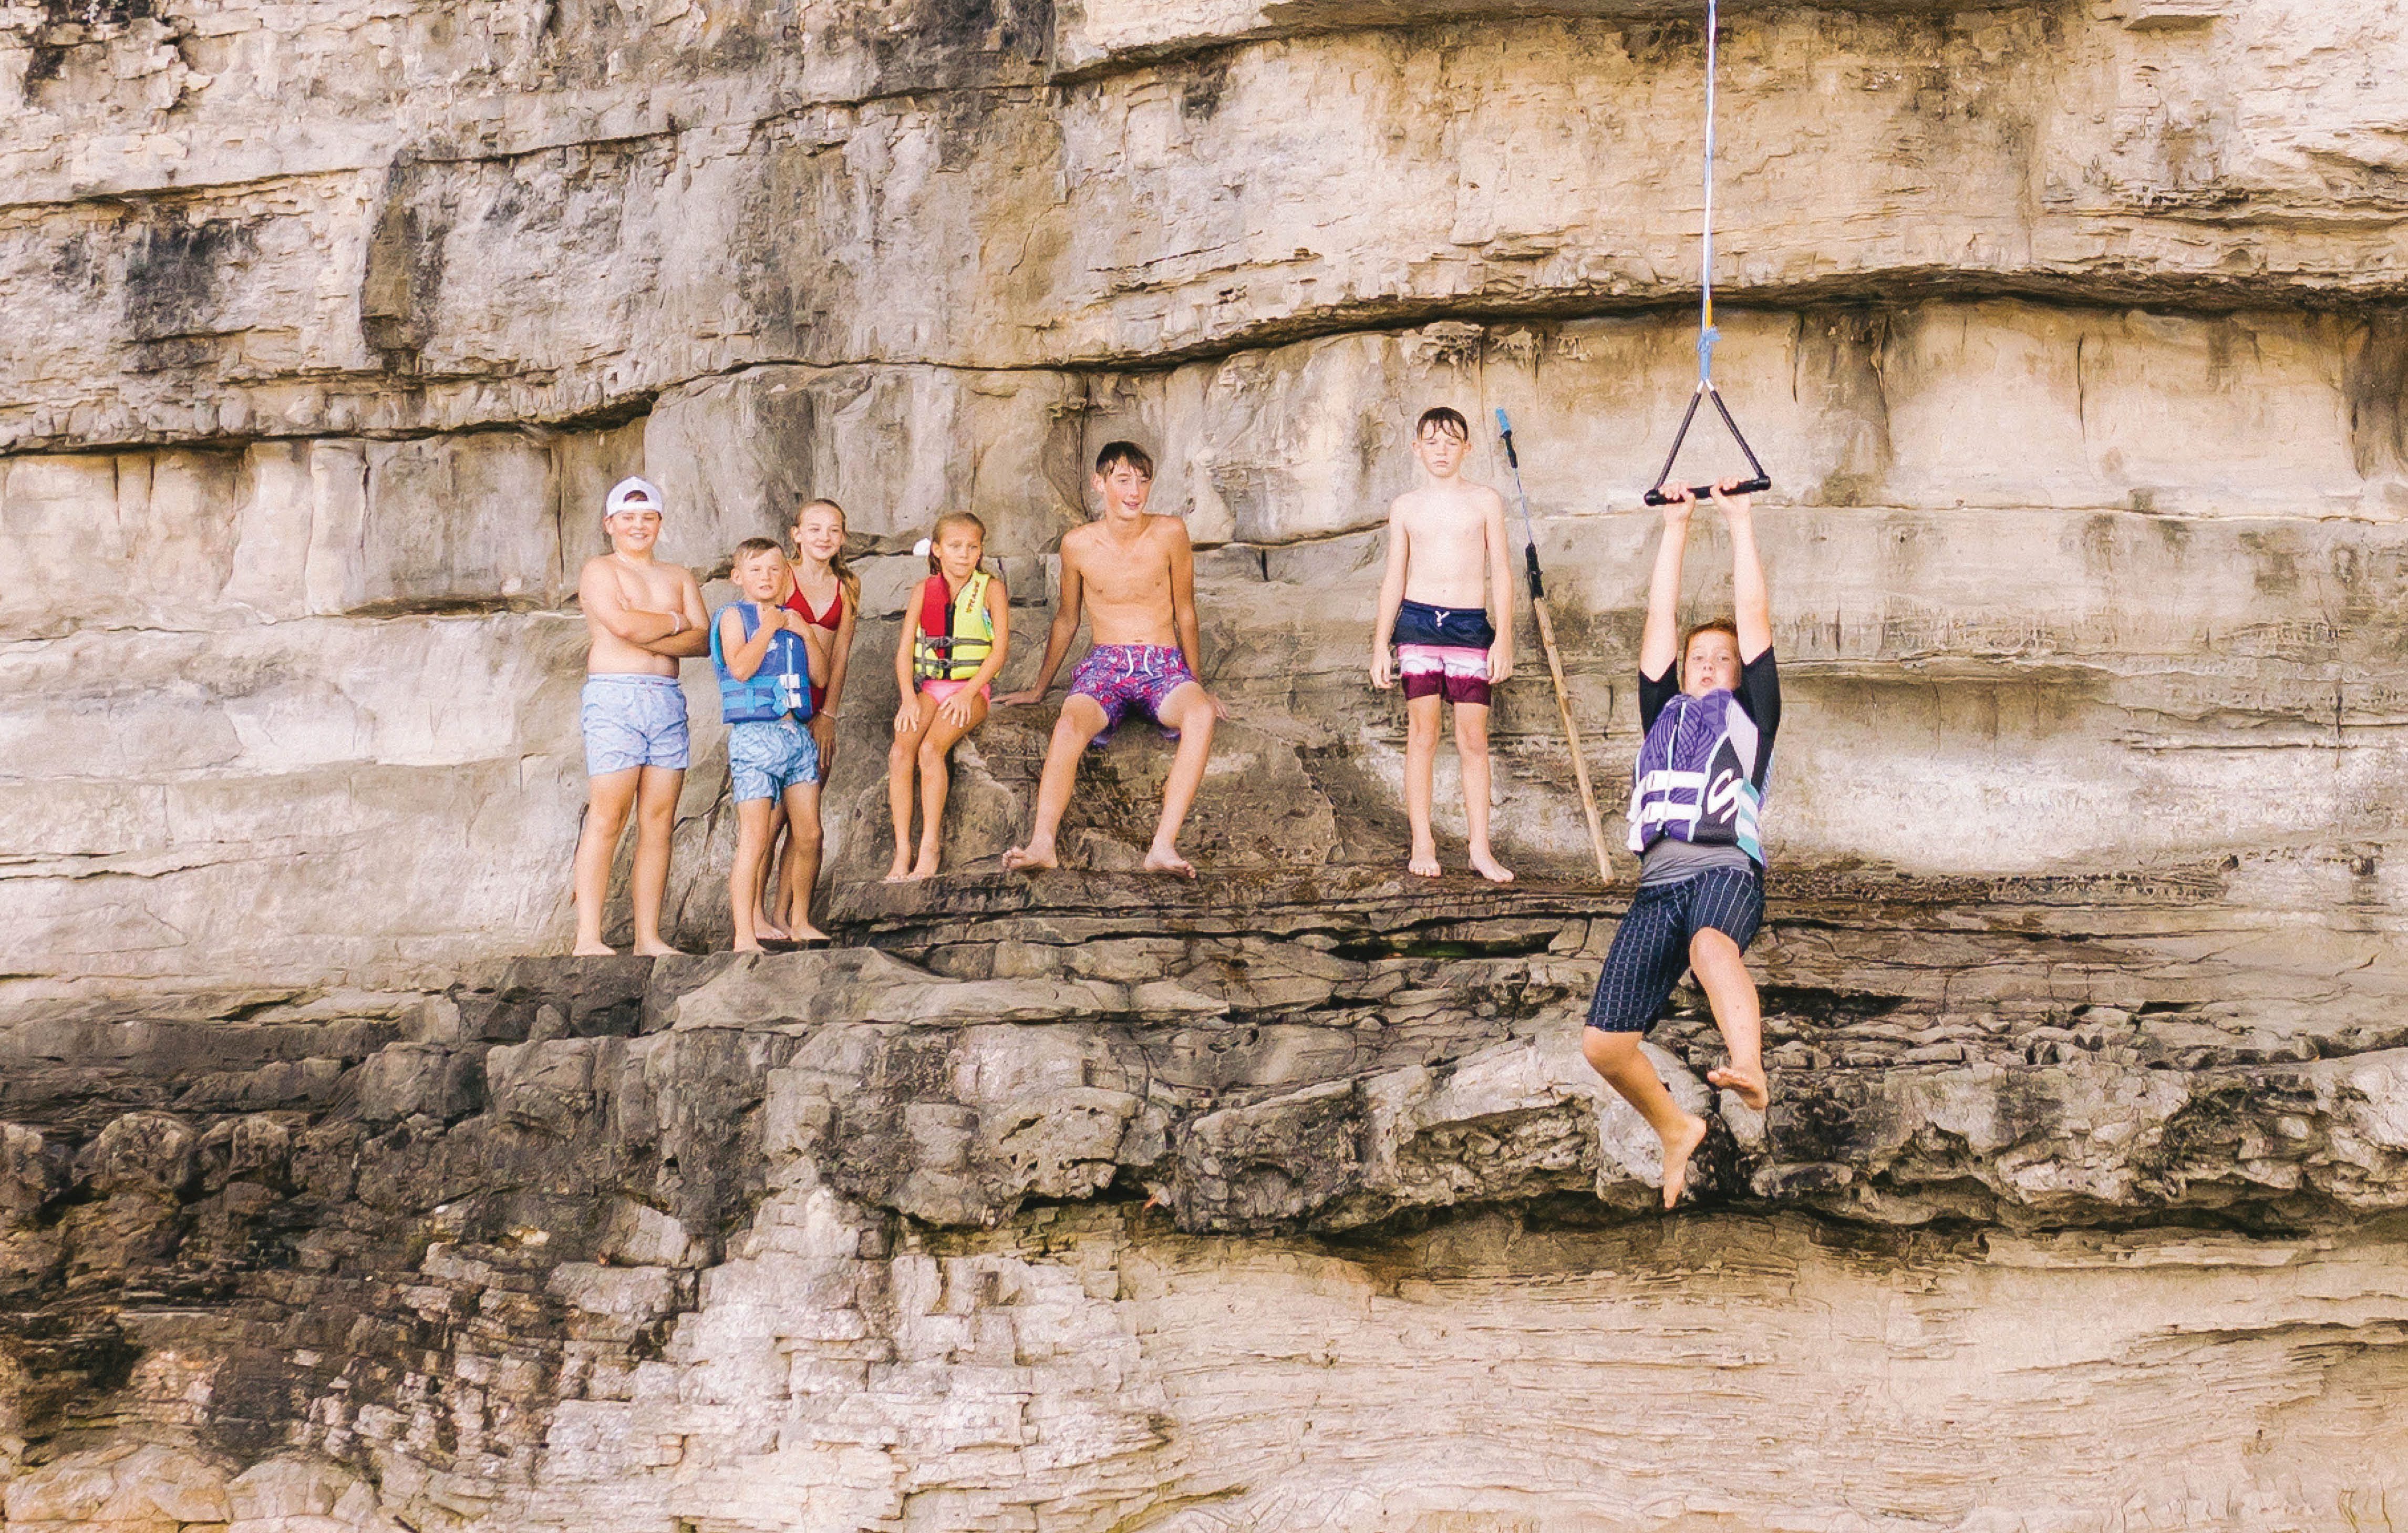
[[1695, 777]]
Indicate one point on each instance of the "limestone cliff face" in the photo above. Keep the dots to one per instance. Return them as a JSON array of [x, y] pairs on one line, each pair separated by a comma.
[[2072, 335], [1065, 1221], [2069, 331]]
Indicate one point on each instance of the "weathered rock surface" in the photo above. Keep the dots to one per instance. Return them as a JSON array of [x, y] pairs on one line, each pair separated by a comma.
[[920, 1236], [2155, 610], [920, 184], [2070, 333], [2068, 330]]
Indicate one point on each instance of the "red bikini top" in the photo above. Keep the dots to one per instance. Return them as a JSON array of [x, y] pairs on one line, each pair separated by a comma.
[[796, 602]]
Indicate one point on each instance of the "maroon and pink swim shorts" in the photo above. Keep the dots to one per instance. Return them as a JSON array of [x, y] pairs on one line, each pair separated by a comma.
[[1442, 651]]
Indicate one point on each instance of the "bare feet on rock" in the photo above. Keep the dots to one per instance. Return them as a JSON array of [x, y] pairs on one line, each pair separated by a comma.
[[750, 946], [770, 931], [595, 950], [1036, 854], [922, 871], [901, 870], [1484, 862], [809, 933], [1751, 1085], [655, 949], [1678, 1148], [1422, 862], [1168, 860]]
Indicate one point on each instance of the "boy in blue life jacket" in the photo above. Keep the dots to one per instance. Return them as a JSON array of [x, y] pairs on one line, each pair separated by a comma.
[[1709, 705], [766, 656]]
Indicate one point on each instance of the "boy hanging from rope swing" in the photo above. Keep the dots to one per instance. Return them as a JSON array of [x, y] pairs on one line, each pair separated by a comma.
[[1709, 705]]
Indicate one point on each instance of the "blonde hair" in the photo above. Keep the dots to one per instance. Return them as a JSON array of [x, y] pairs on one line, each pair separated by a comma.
[[838, 566], [937, 533]]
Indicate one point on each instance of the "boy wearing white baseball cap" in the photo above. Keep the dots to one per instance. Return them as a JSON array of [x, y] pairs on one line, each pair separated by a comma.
[[642, 617]]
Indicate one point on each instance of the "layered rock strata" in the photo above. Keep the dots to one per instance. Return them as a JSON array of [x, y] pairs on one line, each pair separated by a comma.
[[2144, 626], [1190, 1232], [2070, 333], [329, 330]]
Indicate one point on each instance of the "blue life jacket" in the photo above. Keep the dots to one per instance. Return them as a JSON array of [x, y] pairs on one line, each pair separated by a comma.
[[781, 686], [1695, 777]]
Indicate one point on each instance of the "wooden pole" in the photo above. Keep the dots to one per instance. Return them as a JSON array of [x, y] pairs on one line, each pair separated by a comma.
[[1571, 737], [1555, 659]]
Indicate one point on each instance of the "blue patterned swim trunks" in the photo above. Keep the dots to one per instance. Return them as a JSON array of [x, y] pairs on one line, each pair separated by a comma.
[[766, 756], [633, 721]]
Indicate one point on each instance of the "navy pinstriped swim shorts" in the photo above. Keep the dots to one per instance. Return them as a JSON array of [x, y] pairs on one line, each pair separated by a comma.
[[1651, 947]]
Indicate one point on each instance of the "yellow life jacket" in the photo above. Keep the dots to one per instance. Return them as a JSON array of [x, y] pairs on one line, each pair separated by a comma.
[[968, 635]]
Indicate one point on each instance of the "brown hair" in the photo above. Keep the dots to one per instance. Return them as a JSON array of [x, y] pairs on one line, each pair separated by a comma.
[[1128, 453], [1711, 626], [1447, 419], [952, 519], [838, 566], [751, 546]]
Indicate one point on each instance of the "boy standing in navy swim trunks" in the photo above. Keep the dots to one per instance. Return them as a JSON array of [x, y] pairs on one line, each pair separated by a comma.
[[1710, 707], [1135, 575], [642, 617], [1446, 559]]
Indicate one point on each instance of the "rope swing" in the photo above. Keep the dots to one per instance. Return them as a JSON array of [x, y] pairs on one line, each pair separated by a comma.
[[1707, 334]]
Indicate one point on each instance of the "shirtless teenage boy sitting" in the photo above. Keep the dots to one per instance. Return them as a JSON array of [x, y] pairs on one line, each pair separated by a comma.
[[643, 618], [1135, 574], [1446, 562]]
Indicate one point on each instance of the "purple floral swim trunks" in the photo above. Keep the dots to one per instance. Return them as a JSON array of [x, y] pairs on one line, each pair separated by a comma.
[[1117, 676]]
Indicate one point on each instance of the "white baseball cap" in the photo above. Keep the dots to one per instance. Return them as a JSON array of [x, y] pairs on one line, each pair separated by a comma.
[[632, 493]]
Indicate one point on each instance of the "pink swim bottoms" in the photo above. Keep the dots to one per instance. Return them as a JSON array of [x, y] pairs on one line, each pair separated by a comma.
[[942, 690]]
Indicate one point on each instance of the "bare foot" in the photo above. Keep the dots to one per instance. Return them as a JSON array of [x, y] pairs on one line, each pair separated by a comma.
[[1422, 862], [595, 950], [809, 933], [922, 870], [748, 945], [1752, 1086], [770, 931], [1020, 859], [1677, 1150], [1485, 863], [901, 870], [1159, 860], [655, 949]]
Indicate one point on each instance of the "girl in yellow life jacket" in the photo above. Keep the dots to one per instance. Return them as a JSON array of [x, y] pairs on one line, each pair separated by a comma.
[[952, 642]]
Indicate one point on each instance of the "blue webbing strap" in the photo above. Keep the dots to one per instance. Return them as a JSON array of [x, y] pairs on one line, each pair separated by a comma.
[[1707, 334]]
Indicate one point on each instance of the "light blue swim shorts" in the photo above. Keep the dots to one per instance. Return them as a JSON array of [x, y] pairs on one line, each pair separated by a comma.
[[633, 721], [766, 756]]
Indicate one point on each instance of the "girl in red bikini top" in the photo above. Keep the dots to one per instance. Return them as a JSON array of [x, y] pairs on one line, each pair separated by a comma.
[[818, 534]]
